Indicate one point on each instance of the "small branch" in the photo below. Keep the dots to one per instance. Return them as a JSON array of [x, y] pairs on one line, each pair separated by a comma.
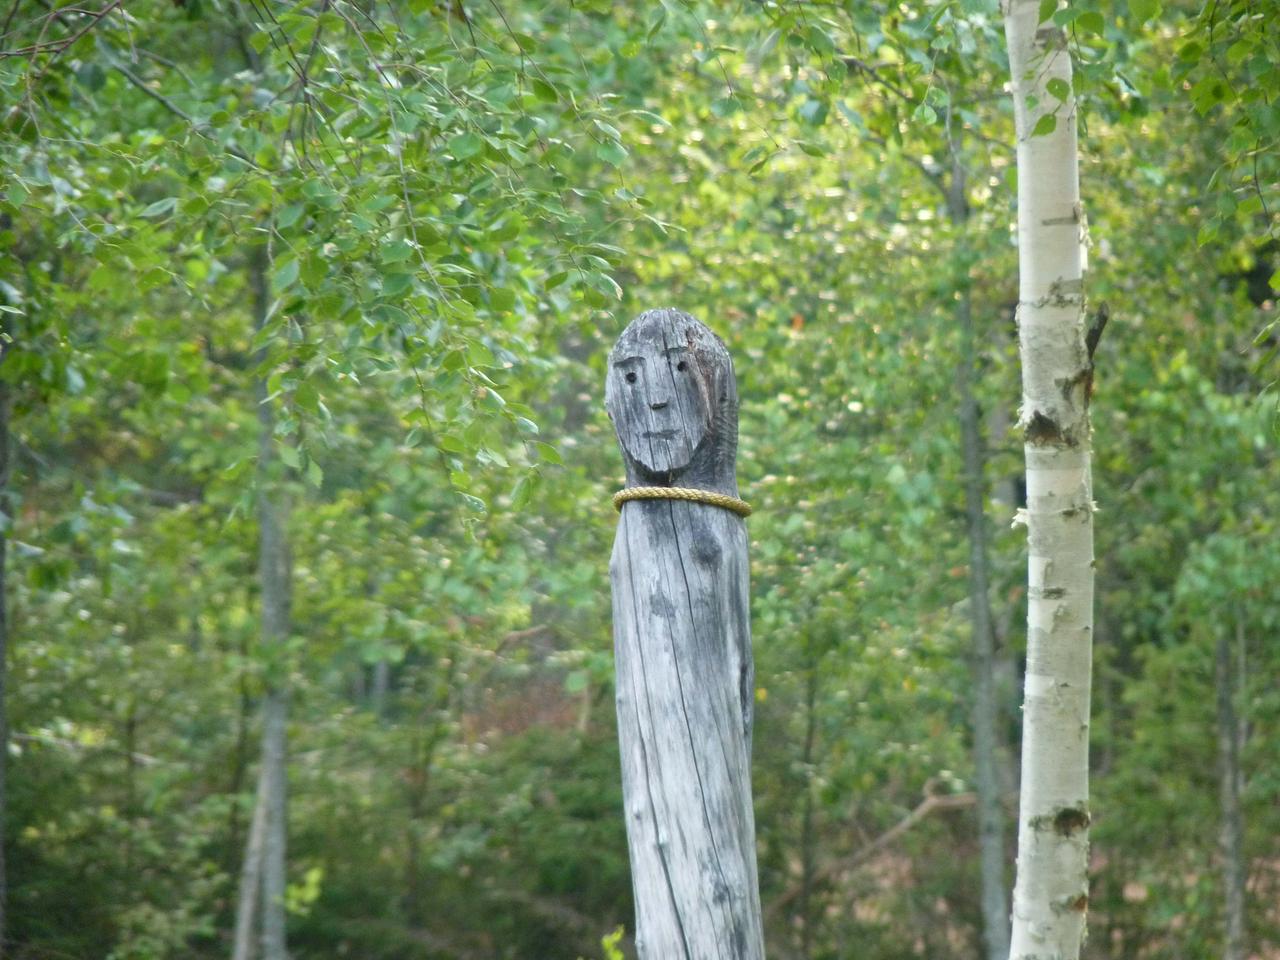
[[170, 498], [155, 95], [519, 636], [930, 804], [872, 71], [198, 127], [59, 47]]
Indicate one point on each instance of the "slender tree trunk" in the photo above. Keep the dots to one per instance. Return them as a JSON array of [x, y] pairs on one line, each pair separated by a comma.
[[1051, 892], [995, 906], [414, 911], [808, 845], [995, 909], [251, 877], [428, 737], [274, 721], [275, 582], [378, 691], [274, 577], [240, 757], [1229, 778], [6, 520], [130, 783]]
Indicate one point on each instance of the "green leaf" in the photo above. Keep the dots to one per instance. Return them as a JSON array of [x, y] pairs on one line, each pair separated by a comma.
[[612, 153], [820, 41], [1091, 22], [160, 207], [1144, 10], [659, 18], [925, 114], [395, 252], [396, 284], [289, 215], [1047, 8], [1045, 125], [523, 490], [466, 145], [474, 503], [1059, 88], [286, 275]]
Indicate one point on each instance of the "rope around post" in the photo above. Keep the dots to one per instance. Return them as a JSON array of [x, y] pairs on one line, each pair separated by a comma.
[[722, 500]]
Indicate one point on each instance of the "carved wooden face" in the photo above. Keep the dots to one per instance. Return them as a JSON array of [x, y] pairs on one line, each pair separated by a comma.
[[657, 396]]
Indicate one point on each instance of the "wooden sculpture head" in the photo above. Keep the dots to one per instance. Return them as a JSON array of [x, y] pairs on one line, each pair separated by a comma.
[[673, 399]]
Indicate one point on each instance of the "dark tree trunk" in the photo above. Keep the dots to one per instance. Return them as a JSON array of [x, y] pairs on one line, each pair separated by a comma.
[[995, 909], [6, 520], [1229, 780], [274, 577], [808, 844], [263, 878]]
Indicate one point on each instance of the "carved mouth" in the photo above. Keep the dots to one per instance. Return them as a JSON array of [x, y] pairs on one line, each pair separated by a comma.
[[660, 435]]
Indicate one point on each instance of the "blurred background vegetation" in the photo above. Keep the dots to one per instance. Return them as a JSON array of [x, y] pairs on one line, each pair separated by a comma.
[[357, 266]]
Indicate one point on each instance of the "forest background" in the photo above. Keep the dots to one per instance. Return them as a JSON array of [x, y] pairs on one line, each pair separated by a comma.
[[305, 312]]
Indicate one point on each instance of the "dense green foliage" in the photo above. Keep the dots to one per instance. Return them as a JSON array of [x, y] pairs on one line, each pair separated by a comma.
[[461, 205]]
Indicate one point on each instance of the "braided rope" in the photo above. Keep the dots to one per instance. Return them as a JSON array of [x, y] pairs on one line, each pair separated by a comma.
[[740, 507]]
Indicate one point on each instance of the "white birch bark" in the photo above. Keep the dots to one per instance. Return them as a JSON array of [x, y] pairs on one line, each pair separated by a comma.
[[1051, 891]]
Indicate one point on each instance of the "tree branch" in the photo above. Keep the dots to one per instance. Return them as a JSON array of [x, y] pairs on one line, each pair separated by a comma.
[[930, 804]]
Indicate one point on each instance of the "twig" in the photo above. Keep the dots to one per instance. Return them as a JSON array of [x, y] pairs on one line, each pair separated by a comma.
[[60, 46], [199, 127], [930, 804]]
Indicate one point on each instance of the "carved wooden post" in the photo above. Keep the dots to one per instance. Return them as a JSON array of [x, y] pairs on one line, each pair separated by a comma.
[[682, 638]]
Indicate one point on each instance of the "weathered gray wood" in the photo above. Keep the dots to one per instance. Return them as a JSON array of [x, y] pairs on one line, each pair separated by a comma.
[[682, 640]]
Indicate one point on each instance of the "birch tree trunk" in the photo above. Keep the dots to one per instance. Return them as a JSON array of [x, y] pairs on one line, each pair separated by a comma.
[[1229, 777], [1051, 891]]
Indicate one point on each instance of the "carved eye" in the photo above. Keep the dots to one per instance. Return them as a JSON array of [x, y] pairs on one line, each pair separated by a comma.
[[631, 376], [682, 366]]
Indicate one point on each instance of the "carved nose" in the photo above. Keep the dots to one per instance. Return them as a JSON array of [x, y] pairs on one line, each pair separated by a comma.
[[658, 405]]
